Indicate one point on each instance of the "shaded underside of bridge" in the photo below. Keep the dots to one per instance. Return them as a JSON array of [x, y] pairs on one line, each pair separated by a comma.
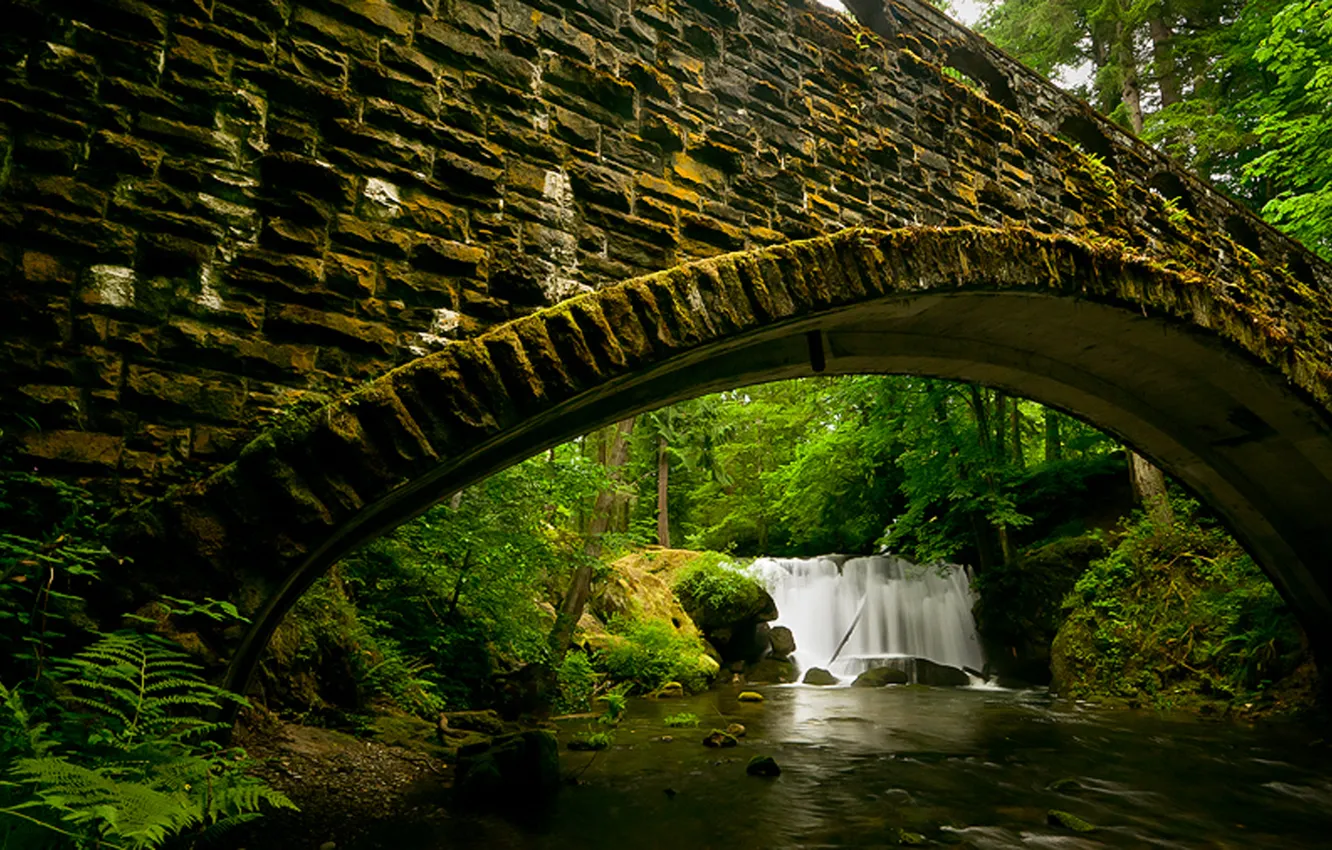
[[281, 274]]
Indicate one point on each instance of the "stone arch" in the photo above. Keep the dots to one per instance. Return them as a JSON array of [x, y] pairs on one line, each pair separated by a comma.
[[1232, 399]]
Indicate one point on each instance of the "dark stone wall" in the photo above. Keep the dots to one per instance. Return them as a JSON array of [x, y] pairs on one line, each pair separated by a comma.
[[213, 212]]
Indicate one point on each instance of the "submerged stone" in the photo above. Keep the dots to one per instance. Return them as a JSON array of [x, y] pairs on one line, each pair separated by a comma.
[[763, 766], [1056, 817]]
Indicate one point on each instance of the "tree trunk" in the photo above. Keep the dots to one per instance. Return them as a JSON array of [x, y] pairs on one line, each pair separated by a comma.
[[1149, 486], [1130, 87], [1167, 74], [1019, 456], [1054, 450], [571, 607], [663, 481]]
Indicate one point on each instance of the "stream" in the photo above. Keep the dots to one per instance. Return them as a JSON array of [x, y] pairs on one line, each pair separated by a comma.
[[960, 766]]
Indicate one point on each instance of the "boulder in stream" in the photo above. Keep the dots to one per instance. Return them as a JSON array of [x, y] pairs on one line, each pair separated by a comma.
[[819, 676], [782, 641], [929, 673], [750, 696], [763, 766], [718, 738], [877, 677], [516, 768], [771, 671]]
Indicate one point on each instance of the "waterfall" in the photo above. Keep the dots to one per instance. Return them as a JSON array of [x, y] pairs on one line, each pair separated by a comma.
[[910, 611]]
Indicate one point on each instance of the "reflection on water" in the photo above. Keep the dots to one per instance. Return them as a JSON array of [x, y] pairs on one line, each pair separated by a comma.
[[961, 767]]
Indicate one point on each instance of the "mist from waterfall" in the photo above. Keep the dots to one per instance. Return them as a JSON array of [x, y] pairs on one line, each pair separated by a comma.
[[909, 610]]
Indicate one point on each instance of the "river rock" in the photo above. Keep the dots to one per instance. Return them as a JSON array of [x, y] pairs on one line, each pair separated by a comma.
[[929, 673], [718, 738], [516, 768], [750, 696], [486, 722], [782, 641], [771, 671], [736, 730], [763, 766], [819, 676], [877, 677], [1056, 817], [670, 690]]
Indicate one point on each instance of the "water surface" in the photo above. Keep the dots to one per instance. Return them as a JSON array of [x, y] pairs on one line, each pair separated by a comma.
[[959, 766]]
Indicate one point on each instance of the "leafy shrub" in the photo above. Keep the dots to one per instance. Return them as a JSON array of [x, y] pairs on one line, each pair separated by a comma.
[[1174, 611], [575, 680], [716, 592], [651, 653], [681, 720]]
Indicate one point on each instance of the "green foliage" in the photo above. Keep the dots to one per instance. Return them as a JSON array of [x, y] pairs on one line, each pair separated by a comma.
[[650, 653], [715, 591], [617, 705], [50, 556], [121, 760], [102, 746], [682, 720], [424, 617], [1173, 612], [1295, 123], [600, 740], [576, 681]]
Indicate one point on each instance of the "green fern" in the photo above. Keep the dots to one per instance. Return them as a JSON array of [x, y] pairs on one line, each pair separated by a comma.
[[127, 766]]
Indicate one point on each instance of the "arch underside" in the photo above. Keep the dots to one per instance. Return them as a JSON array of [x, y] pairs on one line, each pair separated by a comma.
[[1163, 361]]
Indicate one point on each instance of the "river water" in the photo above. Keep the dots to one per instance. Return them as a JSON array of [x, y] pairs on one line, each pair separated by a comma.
[[959, 766]]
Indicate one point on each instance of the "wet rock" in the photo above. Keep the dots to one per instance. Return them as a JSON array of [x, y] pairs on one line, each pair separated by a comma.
[[763, 766], [1065, 785], [880, 676], [1056, 817], [736, 730], [906, 838], [929, 673], [670, 690], [782, 641], [819, 676], [516, 768], [666, 739], [486, 722], [750, 696], [771, 671], [718, 738]]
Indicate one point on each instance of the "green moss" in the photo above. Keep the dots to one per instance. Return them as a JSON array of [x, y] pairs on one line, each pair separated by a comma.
[[1056, 817]]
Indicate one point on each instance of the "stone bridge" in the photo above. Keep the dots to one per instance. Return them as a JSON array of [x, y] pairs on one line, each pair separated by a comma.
[[282, 275]]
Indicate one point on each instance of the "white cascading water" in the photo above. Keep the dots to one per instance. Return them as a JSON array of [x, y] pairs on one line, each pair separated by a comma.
[[909, 611]]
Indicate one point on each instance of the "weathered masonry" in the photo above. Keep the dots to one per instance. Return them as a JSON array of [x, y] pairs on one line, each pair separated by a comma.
[[391, 240]]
